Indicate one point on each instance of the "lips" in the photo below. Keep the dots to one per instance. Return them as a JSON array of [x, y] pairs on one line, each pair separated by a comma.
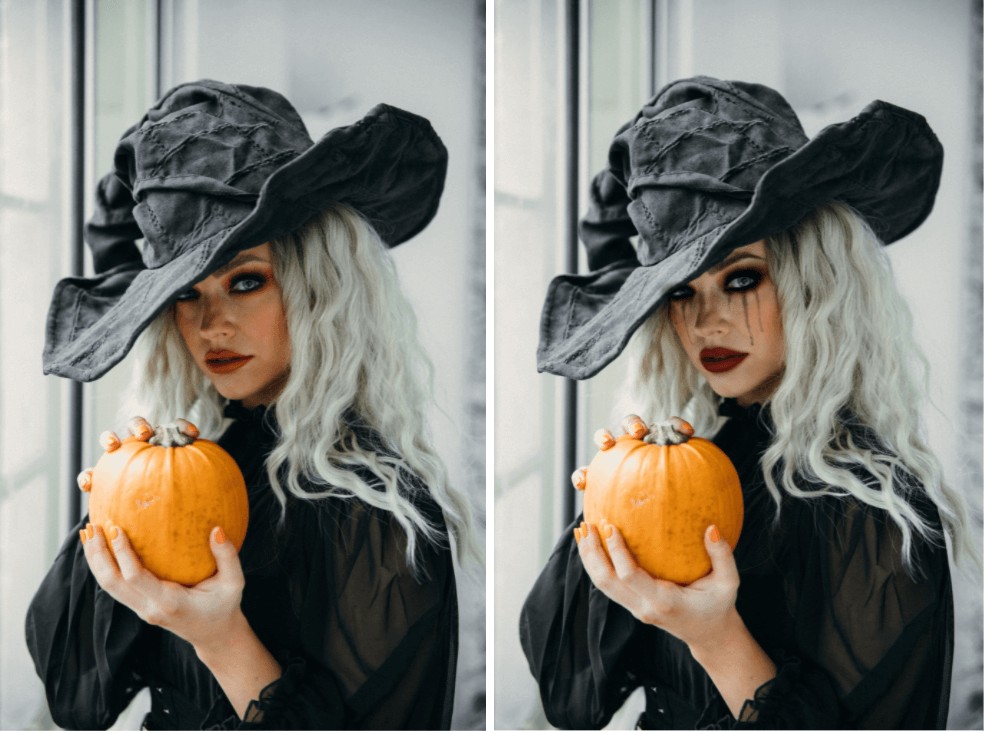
[[221, 361], [719, 359]]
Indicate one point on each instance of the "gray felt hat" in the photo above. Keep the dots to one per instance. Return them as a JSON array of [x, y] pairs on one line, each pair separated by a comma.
[[213, 169], [708, 166]]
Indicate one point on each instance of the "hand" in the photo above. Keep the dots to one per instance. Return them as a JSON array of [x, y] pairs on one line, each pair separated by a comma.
[[701, 614], [200, 614]]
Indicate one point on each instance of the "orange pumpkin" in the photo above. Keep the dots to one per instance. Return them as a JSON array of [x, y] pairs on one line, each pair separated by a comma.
[[168, 498], [662, 493]]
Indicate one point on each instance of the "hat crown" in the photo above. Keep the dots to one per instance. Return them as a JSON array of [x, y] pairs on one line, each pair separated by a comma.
[[196, 162], [697, 151]]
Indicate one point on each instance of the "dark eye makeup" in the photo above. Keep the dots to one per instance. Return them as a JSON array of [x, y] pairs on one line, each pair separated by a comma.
[[741, 279], [243, 282]]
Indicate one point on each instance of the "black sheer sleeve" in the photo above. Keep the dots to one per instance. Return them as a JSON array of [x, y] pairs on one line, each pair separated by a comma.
[[873, 640], [377, 642], [83, 643], [577, 641]]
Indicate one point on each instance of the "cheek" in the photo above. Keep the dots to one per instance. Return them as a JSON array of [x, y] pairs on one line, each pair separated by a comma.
[[675, 312], [272, 329], [184, 320]]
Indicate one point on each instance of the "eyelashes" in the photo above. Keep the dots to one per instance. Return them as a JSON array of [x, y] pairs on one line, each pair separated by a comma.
[[239, 284], [737, 281]]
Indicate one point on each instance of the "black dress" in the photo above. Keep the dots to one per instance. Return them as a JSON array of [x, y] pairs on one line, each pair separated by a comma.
[[858, 643], [362, 643]]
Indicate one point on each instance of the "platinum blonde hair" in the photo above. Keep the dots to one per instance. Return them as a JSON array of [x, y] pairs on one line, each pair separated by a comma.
[[850, 352], [354, 349]]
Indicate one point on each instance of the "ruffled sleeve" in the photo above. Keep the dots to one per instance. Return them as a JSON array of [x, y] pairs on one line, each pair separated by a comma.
[[873, 641], [376, 642], [83, 643], [577, 641]]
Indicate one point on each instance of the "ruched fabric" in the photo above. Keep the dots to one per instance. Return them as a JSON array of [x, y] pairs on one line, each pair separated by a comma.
[[363, 642], [859, 641]]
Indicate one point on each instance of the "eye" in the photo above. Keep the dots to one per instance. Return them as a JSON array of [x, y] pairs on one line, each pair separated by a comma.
[[743, 280], [681, 293], [246, 282], [189, 295]]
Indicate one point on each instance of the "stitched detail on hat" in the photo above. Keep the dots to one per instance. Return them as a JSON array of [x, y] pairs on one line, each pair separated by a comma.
[[570, 313], [783, 152], [287, 154], [659, 152], [244, 130], [163, 236]]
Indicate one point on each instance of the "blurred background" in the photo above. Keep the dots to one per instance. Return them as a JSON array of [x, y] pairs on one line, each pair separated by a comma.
[[568, 74], [74, 74]]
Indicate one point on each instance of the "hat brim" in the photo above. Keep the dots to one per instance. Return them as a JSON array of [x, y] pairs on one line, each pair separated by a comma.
[[390, 167], [886, 163]]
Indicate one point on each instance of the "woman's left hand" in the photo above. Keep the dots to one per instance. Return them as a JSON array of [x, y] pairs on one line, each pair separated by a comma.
[[199, 614], [701, 614]]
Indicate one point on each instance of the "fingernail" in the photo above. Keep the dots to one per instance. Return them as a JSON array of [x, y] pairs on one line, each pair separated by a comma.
[[607, 530], [585, 529], [577, 535], [89, 531], [220, 536], [715, 534], [82, 535], [112, 531]]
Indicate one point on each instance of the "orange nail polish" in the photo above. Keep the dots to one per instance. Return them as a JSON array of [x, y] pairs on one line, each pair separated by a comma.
[[220, 536], [82, 535], [607, 531], [89, 531], [113, 532], [577, 535], [715, 534]]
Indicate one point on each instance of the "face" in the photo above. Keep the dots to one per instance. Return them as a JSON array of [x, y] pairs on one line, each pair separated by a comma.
[[234, 326], [729, 325]]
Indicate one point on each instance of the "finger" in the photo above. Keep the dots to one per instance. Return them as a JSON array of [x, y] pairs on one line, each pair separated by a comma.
[[634, 426], [603, 439], [722, 558], [624, 563], [580, 478], [131, 568], [593, 554], [109, 441], [140, 428], [187, 428], [104, 568], [84, 480], [227, 563], [600, 570], [682, 426]]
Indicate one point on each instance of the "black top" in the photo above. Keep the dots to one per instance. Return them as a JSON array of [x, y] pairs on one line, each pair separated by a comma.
[[363, 644], [858, 642]]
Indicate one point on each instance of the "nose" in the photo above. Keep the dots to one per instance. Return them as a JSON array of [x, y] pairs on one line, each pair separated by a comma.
[[712, 316], [216, 318]]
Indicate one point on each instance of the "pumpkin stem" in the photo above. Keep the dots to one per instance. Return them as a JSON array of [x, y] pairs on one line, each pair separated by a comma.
[[670, 432], [169, 435]]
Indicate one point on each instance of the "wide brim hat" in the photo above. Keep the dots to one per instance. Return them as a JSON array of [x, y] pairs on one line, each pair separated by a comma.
[[708, 166], [213, 169]]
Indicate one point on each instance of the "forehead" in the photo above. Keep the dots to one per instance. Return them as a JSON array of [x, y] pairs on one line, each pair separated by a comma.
[[259, 254], [755, 250]]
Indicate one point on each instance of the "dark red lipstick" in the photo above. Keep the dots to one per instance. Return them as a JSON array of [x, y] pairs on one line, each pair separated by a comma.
[[222, 361], [719, 359]]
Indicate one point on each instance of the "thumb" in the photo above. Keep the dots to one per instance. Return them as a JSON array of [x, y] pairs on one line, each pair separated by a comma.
[[226, 555], [722, 558]]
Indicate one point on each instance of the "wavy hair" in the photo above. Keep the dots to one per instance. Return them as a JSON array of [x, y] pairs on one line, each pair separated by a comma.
[[354, 357], [851, 391]]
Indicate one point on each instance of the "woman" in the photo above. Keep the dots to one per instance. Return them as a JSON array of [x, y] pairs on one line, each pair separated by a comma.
[[761, 309], [268, 311]]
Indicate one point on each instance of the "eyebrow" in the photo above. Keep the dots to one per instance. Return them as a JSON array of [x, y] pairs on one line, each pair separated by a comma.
[[732, 258], [237, 261]]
